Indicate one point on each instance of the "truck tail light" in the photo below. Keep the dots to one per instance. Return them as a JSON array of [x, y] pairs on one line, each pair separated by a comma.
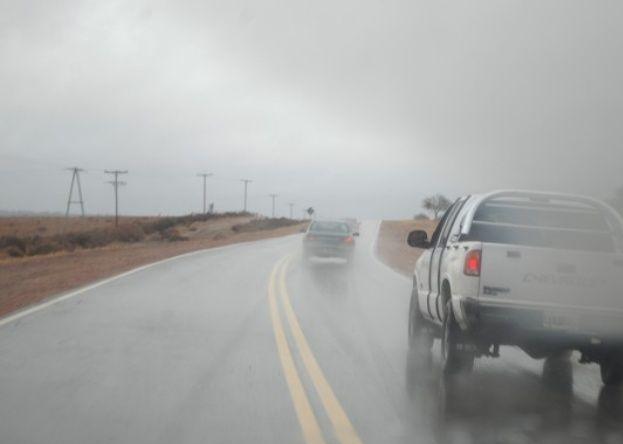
[[349, 240], [473, 261], [310, 237]]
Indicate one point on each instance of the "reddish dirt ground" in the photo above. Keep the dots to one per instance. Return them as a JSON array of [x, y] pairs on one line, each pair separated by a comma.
[[392, 245], [26, 281]]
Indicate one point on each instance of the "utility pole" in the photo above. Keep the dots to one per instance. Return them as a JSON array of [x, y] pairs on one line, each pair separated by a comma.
[[291, 205], [246, 183], [205, 176], [75, 178], [273, 196], [116, 183]]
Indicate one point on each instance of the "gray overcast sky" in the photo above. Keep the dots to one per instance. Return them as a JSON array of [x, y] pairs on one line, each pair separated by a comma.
[[355, 107]]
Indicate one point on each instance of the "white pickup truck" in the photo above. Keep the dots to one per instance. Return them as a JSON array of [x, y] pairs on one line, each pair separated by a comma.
[[540, 271]]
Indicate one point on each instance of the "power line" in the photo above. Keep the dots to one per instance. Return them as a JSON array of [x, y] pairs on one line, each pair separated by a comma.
[[291, 205], [75, 178], [273, 196], [246, 184], [205, 176], [116, 183], [76, 196]]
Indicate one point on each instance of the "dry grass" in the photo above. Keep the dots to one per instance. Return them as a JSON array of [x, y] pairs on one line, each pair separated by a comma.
[[392, 245], [264, 224], [52, 225], [103, 233]]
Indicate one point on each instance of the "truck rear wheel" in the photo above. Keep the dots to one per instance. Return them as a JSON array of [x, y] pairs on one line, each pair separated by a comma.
[[612, 370], [420, 338], [455, 356]]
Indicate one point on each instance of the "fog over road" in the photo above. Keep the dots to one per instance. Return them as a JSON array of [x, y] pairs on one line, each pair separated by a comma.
[[244, 343]]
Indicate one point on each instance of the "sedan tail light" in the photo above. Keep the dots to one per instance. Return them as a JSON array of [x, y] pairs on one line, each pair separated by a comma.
[[473, 261]]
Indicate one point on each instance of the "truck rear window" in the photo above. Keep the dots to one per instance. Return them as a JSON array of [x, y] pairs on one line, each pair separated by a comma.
[[571, 225]]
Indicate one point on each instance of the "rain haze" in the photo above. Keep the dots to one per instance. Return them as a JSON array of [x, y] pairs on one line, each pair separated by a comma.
[[355, 108], [276, 221]]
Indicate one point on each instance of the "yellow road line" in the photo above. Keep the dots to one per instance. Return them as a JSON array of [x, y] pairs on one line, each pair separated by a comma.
[[344, 430], [304, 412]]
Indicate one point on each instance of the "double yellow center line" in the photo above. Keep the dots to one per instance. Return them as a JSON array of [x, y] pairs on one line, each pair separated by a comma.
[[344, 430]]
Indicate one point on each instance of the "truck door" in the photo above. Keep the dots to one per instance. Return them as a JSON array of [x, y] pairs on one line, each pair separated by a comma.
[[424, 268], [437, 255]]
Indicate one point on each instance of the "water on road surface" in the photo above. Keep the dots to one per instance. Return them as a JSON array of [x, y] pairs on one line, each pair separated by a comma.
[[247, 344]]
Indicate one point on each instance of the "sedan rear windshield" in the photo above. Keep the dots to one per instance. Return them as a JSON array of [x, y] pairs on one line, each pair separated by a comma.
[[329, 227], [545, 223]]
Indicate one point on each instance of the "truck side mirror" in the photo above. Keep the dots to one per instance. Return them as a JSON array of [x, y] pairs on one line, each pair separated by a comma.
[[418, 239]]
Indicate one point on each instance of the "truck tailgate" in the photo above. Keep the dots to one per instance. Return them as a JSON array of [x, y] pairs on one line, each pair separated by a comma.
[[559, 281]]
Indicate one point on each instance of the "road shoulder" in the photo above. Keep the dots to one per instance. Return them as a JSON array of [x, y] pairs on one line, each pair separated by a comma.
[[391, 244], [32, 280]]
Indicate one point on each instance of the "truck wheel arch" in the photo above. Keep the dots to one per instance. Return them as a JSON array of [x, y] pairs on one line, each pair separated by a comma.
[[445, 295]]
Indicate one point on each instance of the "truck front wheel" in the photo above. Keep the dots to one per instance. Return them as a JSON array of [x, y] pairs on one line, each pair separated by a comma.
[[456, 356]]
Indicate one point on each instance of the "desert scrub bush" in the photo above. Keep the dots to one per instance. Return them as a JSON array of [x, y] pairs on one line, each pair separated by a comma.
[[87, 239], [264, 224], [13, 251], [130, 233], [136, 231], [44, 247], [160, 225], [165, 223], [172, 235], [13, 241]]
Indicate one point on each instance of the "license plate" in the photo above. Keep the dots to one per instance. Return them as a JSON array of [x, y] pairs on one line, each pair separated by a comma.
[[560, 321]]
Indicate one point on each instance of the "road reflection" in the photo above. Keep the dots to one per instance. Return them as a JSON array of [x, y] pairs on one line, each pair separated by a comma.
[[498, 403], [496, 406], [330, 277]]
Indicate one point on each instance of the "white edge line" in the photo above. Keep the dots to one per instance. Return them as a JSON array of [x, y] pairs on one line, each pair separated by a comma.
[[373, 251], [56, 299]]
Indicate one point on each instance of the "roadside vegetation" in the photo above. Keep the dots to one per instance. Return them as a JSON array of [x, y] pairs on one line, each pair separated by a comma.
[[436, 204], [264, 224], [162, 229]]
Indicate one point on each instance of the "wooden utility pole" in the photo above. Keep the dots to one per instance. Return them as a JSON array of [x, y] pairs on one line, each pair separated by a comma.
[[273, 197], [205, 176], [116, 183], [246, 183]]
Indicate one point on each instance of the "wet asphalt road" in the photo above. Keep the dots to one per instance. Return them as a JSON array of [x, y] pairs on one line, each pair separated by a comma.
[[245, 344]]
